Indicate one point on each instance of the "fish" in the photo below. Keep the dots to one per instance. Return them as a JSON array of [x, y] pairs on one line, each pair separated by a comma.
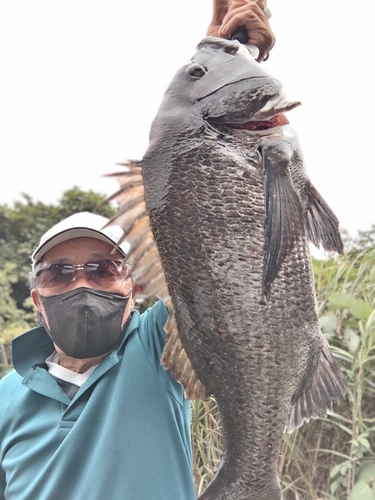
[[219, 216]]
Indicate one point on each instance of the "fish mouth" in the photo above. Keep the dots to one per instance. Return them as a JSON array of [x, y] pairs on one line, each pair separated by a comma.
[[270, 115], [275, 121]]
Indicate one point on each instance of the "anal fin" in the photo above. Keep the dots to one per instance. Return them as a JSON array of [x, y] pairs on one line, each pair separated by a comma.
[[322, 225], [328, 385]]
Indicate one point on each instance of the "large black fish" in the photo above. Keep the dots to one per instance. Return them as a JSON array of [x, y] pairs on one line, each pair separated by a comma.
[[232, 212]]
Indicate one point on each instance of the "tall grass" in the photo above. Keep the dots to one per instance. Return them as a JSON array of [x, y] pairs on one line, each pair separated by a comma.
[[332, 457]]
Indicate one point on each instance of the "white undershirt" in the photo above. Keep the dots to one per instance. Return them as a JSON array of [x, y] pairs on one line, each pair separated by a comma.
[[62, 373]]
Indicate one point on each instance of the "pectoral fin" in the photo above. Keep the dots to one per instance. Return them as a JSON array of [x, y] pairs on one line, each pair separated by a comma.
[[322, 225], [327, 385], [283, 209]]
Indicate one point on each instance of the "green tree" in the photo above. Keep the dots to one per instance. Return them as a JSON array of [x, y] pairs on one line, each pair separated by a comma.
[[12, 319], [75, 200]]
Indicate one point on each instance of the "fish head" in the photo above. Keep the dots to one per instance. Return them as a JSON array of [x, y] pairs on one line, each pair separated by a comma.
[[224, 85]]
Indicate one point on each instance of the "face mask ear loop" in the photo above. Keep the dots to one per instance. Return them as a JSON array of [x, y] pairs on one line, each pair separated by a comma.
[[131, 298], [39, 315], [127, 276]]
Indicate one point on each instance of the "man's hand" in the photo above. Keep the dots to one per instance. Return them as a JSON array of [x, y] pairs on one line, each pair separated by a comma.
[[228, 15]]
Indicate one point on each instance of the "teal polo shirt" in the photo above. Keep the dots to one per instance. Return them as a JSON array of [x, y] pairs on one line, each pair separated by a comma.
[[124, 436]]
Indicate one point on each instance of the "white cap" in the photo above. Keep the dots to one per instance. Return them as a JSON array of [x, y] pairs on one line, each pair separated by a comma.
[[76, 226]]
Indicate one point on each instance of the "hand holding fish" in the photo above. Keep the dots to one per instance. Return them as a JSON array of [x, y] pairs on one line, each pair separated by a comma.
[[228, 15]]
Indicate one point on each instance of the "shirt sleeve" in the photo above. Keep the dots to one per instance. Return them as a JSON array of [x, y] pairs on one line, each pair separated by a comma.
[[2, 484], [2, 472], [153, 337]]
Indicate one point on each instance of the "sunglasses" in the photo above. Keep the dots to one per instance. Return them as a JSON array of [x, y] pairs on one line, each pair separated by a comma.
[[100, 272]]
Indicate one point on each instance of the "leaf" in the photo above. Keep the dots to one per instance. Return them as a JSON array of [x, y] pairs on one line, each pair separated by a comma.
[[362, 491], [341, 468], [360, 309], [340, 300], [328, 323], [352, 340], [334, 486], [344, 468], [364, 442], [367, 472], [335, 471]]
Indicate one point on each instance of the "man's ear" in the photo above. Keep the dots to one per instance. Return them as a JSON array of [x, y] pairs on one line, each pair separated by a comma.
[[35, 296], [136, 290], [40, 316]]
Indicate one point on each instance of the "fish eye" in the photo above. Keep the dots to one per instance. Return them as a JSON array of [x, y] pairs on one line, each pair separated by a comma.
[[197, 70], [232, 49]]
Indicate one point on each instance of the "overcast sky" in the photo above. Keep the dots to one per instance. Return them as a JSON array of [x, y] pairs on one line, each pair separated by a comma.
[[82, 80]]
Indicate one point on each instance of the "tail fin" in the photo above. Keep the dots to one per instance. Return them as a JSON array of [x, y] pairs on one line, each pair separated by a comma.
[[328, 385]]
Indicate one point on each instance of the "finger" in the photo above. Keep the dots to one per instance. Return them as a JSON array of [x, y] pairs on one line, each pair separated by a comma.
[[243, 16], [219, 10], [213, 30], [264, 48], [257, 26]]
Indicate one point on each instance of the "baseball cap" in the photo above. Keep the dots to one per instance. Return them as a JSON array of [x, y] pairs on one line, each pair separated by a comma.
[[76, 226]]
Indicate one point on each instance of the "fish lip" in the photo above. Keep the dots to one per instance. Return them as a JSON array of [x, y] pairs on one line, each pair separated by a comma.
[[277, 104], [260, 77], [279, 120]]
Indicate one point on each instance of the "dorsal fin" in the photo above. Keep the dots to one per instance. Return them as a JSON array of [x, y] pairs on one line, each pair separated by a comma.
[[145, 265]]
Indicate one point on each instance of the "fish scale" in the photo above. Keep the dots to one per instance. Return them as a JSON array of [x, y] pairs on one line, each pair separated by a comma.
[[217, 305], [231, 212]]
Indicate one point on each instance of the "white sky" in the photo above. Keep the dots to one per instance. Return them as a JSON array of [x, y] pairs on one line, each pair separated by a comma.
[[82, 80]]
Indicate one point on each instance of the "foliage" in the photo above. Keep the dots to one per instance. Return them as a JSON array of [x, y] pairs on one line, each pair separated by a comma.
[[332, 457], [207, 445]]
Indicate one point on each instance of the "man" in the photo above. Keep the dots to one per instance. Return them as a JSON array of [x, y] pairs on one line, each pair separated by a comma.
[[89, 412]]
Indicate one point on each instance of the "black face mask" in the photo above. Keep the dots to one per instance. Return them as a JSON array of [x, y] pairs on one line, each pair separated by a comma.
[[84, 322]]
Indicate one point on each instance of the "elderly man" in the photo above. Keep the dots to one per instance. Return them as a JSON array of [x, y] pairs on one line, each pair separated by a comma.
[[89, 412]]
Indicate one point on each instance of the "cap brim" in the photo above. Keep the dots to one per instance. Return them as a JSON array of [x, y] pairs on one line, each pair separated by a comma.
[[69, 234]]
